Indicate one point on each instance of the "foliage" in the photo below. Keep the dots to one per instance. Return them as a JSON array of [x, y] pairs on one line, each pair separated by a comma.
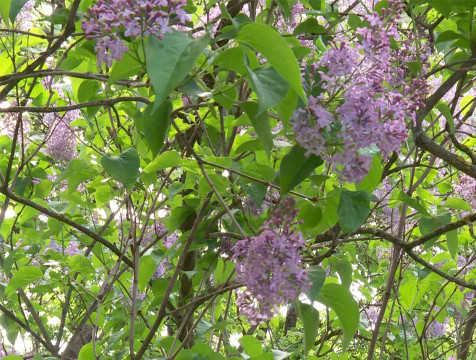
[[237, 179]]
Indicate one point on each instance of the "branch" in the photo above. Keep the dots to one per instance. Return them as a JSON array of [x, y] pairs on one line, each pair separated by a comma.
[[66, 220], [441, 230], [69, 29], [168, 290], [429, 145], [5, 79], [24, 326], [408, 248], [52, 109]]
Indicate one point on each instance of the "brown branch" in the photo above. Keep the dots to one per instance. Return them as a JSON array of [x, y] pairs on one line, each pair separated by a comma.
[[420, 138], [5, 79], [66, 220], [168, 290], [52, 109], [468, 333], [69, 29], [443, 229], [24, 326]]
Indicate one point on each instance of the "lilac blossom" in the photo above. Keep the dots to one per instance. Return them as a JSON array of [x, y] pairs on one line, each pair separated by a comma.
[[226, 247], [365, 101], [8, 123], [128, 299], [270, 265], [158, 229], [437, 329], [370, 314], [107, 20], [24, 18], [161, 269], [53, 246], [152, 232], [72, 249], [61, 142], [465, 188], [4, 351]]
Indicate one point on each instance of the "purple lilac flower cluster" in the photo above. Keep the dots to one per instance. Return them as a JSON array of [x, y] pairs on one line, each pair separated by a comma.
[[366, 99], [270, 265], [158, 229], [61, 144], [8, 122], [254, 209], [154, 231], [465, 188], [111, 20]]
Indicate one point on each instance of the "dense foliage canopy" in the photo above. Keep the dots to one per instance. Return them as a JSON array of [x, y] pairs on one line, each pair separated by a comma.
[[237, 179]]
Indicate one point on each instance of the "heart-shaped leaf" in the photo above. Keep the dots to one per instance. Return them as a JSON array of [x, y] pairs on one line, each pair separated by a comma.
[[123, 168]]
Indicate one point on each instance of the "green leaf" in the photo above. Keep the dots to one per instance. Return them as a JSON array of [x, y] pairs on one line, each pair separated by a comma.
[[429, 224], [344, 269], [414, 66], [87, 90], [340, 299], [456, 203], [12, 357], [86, 352], [15, 8], [165, 160], [76, 172], [280, 355], [317, 4], [81, 264], [274, 48], [170, 60], [310, 26], [286, 108], [310, 214], [233, 59], [185, 354], [123, 168], [223, 270], [251, 345], [59, 206], [5, 10], [310, 320], [353, 209], [261, 125], [154, 124], [370, 182], [147, 269], [317, 276], [452, 242], [284, 5], [446, 111], [270, 87], [414, 203], [124, 68], [178, 216], [443, 6], [449, 35], [21, 185], [295, 167], [23, 277]]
